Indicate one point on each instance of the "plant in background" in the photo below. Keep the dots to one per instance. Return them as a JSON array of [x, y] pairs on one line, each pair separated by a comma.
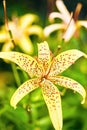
[[45, 73], [70, 24], [21, 28]]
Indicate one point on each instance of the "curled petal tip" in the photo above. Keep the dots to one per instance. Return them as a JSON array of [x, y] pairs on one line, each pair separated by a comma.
[[85, 56], [83, 101], [13, 105]]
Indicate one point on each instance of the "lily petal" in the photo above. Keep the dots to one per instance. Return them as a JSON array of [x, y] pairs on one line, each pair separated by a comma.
[[25, 44], [70, 31], [8, 46], [54, 15], [63, 10], [23, 90], [82, 23], [21, 38], [53, 101], [51, 28], [64, 60], [35, 30], [4, 36], [70, 84], [44, 54], [27, 20], [26, 62]]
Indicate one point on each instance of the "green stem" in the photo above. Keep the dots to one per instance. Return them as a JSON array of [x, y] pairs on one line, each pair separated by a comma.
[[25, 75], [16, 75]]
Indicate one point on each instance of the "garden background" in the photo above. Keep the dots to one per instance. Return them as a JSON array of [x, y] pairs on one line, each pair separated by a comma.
[[31, 112]]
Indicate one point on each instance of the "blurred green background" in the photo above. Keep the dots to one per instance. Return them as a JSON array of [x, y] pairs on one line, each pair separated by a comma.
[[32, 113]]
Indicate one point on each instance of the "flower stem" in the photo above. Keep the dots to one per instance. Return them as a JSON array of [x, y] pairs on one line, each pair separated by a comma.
[[16, 75]]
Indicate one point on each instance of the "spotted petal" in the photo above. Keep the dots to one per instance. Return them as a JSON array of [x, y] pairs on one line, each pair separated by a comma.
[[70, 84], [53, 101], [23, 90], [64, 60], [26, 62], [44, 54]]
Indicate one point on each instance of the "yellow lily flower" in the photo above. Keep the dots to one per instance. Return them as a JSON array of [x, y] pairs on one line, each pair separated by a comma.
[[44, 72], [21, 29], [69, 24]]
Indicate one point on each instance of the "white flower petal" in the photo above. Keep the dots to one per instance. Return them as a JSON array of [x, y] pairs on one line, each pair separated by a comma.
[[70, 30], [62, 8], [54, 15], [54, 27], [82, 23]]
